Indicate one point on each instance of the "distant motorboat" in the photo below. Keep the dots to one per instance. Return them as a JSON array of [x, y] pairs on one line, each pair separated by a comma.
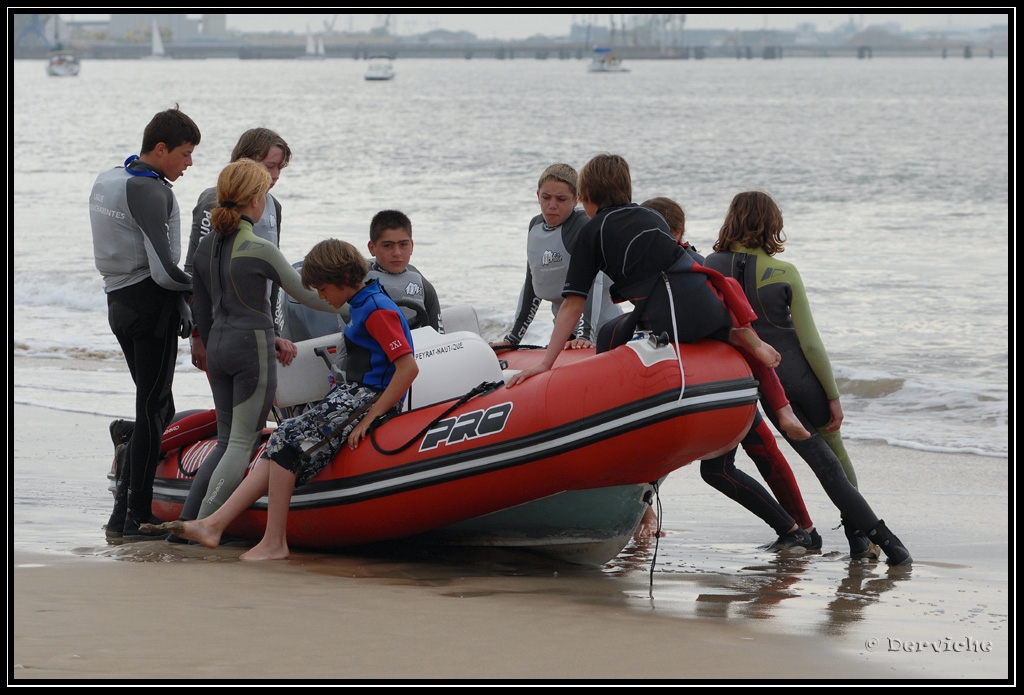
[[604, 61], [380, 68], [63, 65], [157, 52]]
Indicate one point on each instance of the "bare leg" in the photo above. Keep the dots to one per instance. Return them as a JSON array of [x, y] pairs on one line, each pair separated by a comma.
[[274, 545], [790, 424], [746, 339], [648, 527], [209, 530]]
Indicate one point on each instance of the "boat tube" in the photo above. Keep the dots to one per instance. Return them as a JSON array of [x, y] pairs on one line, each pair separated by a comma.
[[468, 447]]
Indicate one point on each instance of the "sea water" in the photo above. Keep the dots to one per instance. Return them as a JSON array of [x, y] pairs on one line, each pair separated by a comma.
[[892, 175]]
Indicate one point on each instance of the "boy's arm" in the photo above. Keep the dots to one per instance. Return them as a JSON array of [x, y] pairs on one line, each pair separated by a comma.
[[202, 224], [406, 370], [529, 302], [150, 203]]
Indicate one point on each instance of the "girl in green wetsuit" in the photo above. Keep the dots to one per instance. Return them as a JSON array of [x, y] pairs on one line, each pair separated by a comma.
[[745, 249]]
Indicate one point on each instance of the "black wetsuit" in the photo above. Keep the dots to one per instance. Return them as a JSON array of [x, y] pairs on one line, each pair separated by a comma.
[[635, 248]]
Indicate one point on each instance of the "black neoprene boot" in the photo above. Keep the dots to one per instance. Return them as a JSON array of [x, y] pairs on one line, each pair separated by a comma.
[[895, 552], [860, 546], [114, 529], [139, 513]]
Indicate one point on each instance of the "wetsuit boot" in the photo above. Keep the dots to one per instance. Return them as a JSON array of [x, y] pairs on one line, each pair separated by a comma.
[[139, 512], [860, 546], [895, 552], [114, 529]]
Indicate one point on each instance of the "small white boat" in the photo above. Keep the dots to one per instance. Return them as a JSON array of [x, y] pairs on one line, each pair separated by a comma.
[[604, 61], [380, 68], [63, 65], [157, 52]]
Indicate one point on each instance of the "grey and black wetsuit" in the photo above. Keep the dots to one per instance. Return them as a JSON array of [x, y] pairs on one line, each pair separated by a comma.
[[136, 233], [548, 250], [413, 294]]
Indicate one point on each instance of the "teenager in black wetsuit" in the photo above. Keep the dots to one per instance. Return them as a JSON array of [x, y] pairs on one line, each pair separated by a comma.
[[136, 232]]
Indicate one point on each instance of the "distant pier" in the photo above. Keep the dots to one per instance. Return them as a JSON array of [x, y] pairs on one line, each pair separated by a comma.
[[250, 49]]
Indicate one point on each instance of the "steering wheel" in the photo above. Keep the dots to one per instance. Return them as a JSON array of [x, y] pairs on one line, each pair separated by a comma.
[[419, 318]]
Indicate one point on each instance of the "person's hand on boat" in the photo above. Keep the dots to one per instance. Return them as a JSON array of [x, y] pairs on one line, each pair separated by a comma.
[[835, 408], [522, 376], [578, 344], [359, 431], [198, 353], [286, 351]]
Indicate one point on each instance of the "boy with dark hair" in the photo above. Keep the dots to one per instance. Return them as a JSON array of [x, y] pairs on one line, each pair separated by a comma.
[[136, 232], [380, 368], [391, 246]]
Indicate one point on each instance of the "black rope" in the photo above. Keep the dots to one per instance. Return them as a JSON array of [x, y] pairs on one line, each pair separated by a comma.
[[657, 537], [181, 470], [483, 388], [501, 348]]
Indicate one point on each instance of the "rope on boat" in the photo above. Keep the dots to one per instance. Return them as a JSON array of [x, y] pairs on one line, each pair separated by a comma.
[[503, 348], [657, 537], [484, 388]]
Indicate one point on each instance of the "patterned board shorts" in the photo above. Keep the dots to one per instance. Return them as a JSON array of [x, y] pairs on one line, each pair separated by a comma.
[[299, 434]]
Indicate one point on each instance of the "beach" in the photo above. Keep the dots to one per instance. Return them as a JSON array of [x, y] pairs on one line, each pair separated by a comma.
[[715, 607]]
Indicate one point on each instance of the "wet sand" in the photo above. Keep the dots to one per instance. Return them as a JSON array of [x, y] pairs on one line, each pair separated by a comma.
[[715, 607]]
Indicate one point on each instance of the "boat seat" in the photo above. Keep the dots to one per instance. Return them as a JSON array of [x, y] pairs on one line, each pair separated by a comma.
[[451, 364]]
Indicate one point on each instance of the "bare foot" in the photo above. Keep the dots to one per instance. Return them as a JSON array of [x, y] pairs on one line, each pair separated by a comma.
[[190, 530], [648, 527], [790, 424], [748, 340], [265, 551]]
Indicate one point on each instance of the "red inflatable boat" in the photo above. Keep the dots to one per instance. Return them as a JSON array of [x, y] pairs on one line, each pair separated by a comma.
[[624, 417]]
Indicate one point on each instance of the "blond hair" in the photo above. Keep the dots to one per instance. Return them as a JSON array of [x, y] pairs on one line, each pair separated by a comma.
[[560, 172], [240, 184]]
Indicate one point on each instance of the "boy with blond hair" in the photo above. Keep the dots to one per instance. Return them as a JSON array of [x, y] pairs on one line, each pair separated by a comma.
[[549, 244]]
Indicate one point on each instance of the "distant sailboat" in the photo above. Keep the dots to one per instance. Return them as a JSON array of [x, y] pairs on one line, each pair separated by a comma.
[[158, 46], [314, 48]]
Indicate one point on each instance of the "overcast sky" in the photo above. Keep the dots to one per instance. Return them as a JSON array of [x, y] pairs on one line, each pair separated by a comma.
[[520, 26]]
